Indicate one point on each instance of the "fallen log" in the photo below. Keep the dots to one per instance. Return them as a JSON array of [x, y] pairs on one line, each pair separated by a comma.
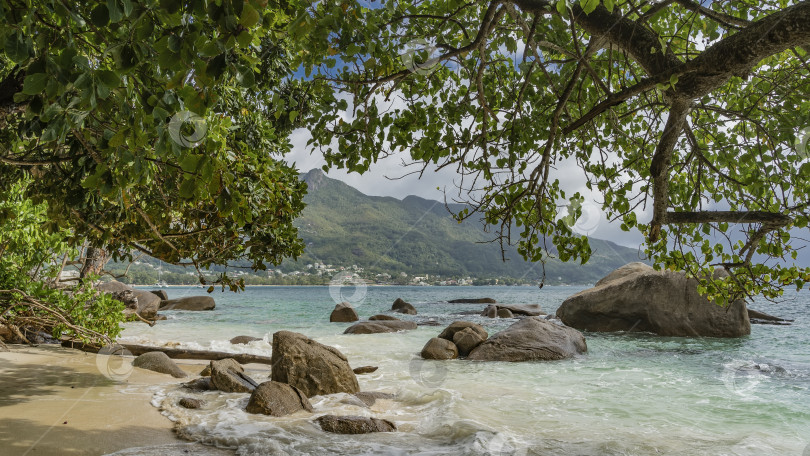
[[174, 353]]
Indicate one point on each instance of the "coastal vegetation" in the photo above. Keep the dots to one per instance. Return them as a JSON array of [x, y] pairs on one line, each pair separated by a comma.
[[146, 127]]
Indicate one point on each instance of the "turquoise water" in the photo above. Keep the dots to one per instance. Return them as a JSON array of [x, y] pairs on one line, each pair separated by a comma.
[[632, 394]]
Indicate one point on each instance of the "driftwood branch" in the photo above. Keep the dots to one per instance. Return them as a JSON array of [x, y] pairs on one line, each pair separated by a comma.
[[177, 353]]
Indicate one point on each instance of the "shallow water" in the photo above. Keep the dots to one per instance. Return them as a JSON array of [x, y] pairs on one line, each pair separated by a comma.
[[632, 394]]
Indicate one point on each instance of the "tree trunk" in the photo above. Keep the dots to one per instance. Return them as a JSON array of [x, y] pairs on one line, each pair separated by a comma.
[[94, 260]]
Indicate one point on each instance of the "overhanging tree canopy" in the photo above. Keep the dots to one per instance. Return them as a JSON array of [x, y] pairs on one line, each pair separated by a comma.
[[692, 111], [155, 126]]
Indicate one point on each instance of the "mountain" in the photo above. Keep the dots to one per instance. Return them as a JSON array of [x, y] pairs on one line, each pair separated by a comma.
[[344, 227]]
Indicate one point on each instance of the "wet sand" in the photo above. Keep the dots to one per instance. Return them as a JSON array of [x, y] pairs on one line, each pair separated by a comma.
[[59, 401]]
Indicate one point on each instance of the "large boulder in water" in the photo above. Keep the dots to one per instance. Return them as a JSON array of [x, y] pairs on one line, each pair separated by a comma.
[[380, 326], [636, 297], [354, 424], [193, 303], [312, 367], [437, 348], [141, 302], [277, 399], [343, 313], [159, 362], [531, 339], [401, 306]]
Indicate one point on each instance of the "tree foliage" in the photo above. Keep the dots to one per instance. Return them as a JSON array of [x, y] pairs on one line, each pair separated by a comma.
[[31, 259], [155, 126], [686, 118]]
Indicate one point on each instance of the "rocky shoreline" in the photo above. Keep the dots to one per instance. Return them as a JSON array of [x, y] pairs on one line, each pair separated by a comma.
[[301, 369]]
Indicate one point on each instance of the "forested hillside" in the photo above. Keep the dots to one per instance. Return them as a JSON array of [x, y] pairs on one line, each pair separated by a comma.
[[342, 226]]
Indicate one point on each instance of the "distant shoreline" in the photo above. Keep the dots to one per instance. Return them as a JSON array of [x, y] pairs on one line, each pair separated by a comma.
[[368, 285]]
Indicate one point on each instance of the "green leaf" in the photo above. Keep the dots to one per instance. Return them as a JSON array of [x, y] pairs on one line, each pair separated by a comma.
[[115, 12], [34, 83], [673, 80], [216, 66], [610, 4], [189, 164], [100, 16], [117, 139], [562, 7], [187, 188], [588, 6], [16, 49], [250, 16], [109, 78]]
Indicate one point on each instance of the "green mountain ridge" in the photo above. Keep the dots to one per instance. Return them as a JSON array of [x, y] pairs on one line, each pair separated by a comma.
[[343, 227]]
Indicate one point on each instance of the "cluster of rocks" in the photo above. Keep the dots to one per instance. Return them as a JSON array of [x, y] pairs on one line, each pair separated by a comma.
[[146, 304], [511, 310], [344, 312], [530, 339], [301, 368]]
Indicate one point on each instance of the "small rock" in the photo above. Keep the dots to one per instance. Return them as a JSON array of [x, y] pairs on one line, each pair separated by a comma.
[[160, 317], [473, 301], [403, 307], [429, 322], [159, 362], [382, 317], [505, 313], [370, 397], [244, 340], [374, 327], [490, 312], [343, 313], [277, 399], [191, 403], [230, 362], [450, 332], [354, 424], [529, 310], [437, 348], [200, 384], [466, 340], [229, 376], [365, 369]]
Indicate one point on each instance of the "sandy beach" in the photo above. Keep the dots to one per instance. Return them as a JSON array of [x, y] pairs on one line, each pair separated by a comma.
[[57, 401]]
